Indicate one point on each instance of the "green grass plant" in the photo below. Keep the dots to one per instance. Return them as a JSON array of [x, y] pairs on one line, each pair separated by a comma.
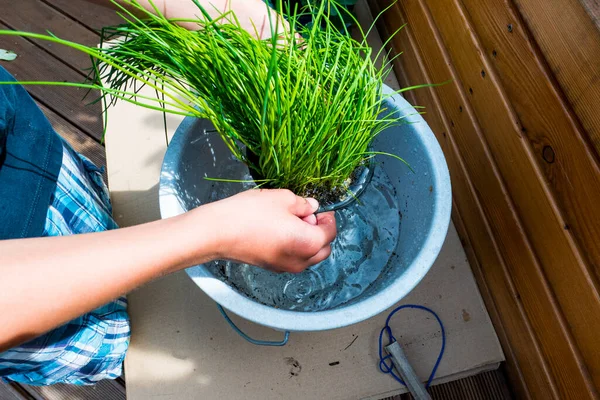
[[301, 108]]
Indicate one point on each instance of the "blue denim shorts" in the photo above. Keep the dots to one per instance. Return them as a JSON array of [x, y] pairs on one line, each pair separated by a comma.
[[93, 346]]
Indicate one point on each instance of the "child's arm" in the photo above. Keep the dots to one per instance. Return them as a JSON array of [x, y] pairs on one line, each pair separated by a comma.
[[252, 14], [46, 282]]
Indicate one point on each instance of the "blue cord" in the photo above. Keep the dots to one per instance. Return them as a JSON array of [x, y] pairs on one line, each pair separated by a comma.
[[389, 369], [248, 338]]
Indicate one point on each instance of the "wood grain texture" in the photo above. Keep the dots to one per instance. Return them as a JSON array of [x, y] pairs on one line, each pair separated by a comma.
[[568, 34], [34, 65], [89, 14], [506, 117], [523, 267], [521, 349], [8, 393], [557, 140], [536, 209], [41, 18], [103, 390], [592, 7], [486, 386]]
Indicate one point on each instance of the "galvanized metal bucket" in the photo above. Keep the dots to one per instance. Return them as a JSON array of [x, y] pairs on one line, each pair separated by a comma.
[[424, 196]]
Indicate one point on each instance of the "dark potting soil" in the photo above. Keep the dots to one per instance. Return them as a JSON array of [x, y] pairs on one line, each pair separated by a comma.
[[323, 194], [333, 195]]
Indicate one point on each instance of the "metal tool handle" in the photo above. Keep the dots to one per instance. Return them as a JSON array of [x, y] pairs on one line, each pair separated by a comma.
[[406, 372]]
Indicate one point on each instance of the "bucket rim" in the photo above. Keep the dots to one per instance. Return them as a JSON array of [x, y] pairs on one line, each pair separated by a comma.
[[355, 312]]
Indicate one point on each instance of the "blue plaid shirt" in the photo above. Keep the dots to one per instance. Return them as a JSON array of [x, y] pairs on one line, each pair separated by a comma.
[[91, 347]]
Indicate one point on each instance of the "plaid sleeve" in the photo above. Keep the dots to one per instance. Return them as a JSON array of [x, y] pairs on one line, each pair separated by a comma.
[[93, 346]]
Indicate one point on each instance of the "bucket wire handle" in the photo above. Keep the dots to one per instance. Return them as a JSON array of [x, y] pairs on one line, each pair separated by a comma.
[[248, 338]]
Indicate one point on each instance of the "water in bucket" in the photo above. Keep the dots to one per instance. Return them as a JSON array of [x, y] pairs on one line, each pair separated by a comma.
[[367, 236]]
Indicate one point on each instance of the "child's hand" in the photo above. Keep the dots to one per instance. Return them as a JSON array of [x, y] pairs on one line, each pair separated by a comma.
[[274, 229]]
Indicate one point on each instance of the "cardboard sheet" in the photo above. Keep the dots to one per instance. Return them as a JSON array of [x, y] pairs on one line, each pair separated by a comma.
[[182, 348]]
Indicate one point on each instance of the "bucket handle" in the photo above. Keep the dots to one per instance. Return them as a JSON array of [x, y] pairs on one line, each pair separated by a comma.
[[248, 338]]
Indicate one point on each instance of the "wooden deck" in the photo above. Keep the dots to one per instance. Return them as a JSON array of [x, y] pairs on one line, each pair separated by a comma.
[[81, 125], [519, 124]]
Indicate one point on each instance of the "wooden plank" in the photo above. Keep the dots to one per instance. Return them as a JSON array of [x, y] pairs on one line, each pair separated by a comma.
[[558, 142], [535, 208], [489, 385], [526, 350], [485, 386], [89, 14], [518, 253], [103, 390], [570, 42], [593, 9], [36, 16], [528, 361], [36, 65], [8, 393], [523, 356]]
